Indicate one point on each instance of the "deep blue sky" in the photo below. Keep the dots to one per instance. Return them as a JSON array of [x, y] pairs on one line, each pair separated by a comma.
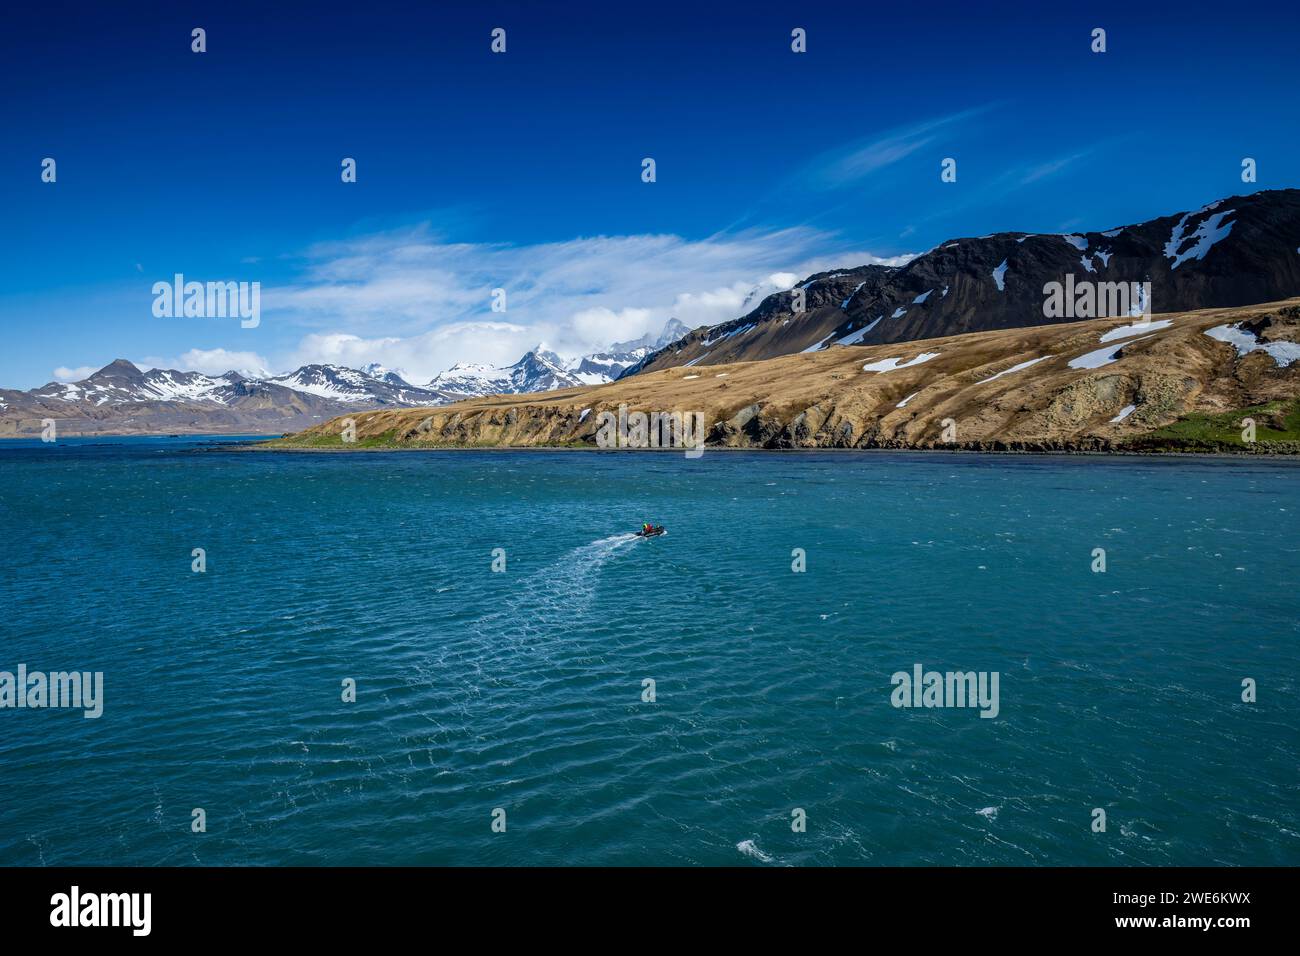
[[226, 165]]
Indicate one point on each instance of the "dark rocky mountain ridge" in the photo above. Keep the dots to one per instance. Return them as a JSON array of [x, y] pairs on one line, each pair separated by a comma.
[[1238, 251]]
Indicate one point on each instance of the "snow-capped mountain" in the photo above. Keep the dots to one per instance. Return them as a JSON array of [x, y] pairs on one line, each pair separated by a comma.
[[601, 367], [350, 385], [541, 370], [120, 381], [121, 398], [393, 376], [609, 364], [671, 332], [537, 371], [472, 378]]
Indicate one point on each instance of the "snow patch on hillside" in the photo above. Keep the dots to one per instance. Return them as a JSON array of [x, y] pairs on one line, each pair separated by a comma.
[[1015, 368], [1137, 328], [1103, 356], [818, 346], [892, 364], [1283, 353], [1210, 231], [855, 337]]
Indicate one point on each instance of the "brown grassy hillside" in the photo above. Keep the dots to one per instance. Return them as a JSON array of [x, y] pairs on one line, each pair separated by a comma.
[[1185, 387]]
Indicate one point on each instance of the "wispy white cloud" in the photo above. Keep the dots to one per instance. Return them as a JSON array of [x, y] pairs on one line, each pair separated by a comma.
[[414, 300], [65, 374], [1012, 179], [850, 164], [422, 355], [1046, 170], [217, 361]]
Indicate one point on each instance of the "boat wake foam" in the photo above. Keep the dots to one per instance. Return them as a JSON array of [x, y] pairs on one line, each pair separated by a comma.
[[750, 849], [552, 601]]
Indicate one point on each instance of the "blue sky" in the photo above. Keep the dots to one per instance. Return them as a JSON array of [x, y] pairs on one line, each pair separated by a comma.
[[522, 170]]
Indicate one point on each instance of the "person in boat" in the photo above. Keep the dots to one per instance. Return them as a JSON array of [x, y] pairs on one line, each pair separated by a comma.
[[646, 528]]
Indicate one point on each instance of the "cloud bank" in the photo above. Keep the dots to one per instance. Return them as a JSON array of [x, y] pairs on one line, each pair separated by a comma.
[[411, 299]]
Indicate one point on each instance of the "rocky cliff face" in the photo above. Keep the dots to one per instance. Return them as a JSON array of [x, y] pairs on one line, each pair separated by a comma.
[[1233, 252], [1100, 384]]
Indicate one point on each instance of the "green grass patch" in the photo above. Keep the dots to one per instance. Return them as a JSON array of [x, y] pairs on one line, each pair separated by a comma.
[[387, 439], [1276, 423]]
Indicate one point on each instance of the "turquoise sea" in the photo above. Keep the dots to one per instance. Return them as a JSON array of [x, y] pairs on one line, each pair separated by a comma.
[[522, 690]]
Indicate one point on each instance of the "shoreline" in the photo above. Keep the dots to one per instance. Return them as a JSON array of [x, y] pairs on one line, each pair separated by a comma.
[[35, 436], [267, 448], [270, 445]]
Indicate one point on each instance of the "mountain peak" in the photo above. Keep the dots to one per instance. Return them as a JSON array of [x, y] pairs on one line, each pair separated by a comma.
[[544, 355], [672, 331], [117, 370], [393, 376]]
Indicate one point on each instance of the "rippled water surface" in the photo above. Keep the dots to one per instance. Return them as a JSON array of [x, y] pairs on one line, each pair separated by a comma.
[[522, 690]]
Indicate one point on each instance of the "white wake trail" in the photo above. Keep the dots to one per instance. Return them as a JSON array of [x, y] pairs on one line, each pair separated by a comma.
[[553, 601]]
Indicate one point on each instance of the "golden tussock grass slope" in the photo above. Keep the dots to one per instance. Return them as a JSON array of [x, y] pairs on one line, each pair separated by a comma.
[[826, 399]]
